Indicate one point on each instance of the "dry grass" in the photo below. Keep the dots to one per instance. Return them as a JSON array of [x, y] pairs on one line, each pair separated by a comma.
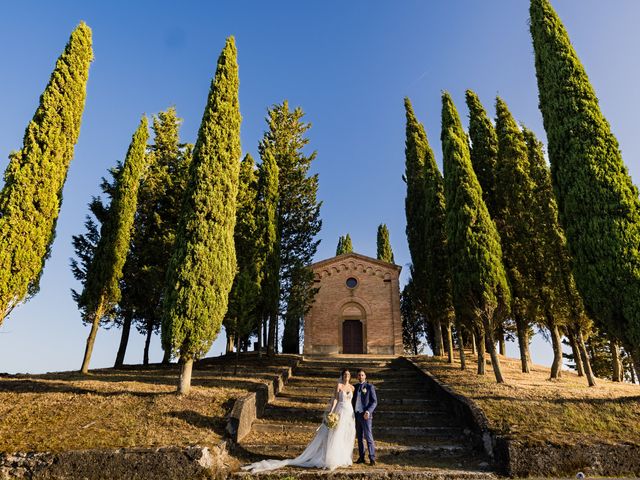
[[116, 408], [533, 408]]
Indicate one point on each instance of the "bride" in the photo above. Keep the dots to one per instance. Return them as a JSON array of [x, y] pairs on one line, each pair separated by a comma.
[[331, 447]]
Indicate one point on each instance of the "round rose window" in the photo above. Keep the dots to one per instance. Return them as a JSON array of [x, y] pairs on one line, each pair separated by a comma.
[[352, 282]]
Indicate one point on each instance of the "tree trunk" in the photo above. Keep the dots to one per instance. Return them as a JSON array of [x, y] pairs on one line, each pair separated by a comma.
[[124, 340], [616, 362], [271, 345], [585, 360], [260, 339], [166, 358], [491, 345], [230, 341], [556, 342], [449, 343], [523, 344], [235, 369], [575, 349], [438, 343], [501, 342], [147, 342], [463, 360], [184, 385], [92, 337], [635, 356], [481, 351], [632, 373], [473, 343]]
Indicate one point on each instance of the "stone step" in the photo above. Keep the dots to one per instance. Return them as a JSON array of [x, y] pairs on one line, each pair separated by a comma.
[[312, 389], [335, 371], [379, 472], [432, 450], [407, 419], [306, 403], [384, 401], [384, 395], [380, 431], [392, 382], [297, 414]]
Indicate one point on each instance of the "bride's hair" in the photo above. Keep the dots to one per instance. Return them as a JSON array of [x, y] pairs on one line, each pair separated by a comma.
[[343, 372]]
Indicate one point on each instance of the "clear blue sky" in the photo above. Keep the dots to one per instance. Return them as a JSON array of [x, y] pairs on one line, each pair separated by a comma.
[[347, 64]]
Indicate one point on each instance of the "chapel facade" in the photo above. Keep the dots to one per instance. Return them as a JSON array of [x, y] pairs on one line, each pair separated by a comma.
[[356, 309]]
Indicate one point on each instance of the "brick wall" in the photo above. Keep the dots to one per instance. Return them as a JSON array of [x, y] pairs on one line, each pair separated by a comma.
[[375, 301]]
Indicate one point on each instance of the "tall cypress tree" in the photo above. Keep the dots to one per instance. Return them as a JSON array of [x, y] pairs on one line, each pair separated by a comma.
[[298, 213], [480, 287], [344, 245], [598, 204], [514, 219], [417, 153], [32, 194], [412, 321], [153, 238], [242, 314], [383, 243], [102, 289], [203, 265], [269, 248], [556, 285]]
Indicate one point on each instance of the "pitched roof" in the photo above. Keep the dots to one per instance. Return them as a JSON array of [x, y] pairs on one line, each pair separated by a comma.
[[357, 256]]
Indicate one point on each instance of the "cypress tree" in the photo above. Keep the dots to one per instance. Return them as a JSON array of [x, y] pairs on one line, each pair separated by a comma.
[[384, 251], [412, 320], [33, 181], [242, 314], [417, 153], [480, 287], [484, 150], [203, 264], [557, 290], [102, 289], [298, 213], [152, 241], [269, 247], [598, 204], [514, 219], [344, 245]]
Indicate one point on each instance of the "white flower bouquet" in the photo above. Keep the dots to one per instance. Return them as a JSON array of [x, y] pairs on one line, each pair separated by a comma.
[[332, 420]]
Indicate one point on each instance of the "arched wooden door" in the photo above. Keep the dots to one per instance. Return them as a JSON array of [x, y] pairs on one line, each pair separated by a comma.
[[352, 336]]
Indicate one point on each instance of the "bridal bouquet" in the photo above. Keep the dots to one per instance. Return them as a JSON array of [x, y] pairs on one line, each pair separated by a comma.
[[332, 420]]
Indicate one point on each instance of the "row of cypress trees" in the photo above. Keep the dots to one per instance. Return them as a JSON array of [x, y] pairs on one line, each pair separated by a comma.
[[502, 242]]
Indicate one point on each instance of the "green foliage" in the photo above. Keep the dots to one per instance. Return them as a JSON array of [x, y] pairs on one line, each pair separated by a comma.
[[157, 218], [268, 253], [478, 277], [484, 151], [413, 323], [557, 286], [417, 151], [203, 265], [344, 245], [32, 194], [298, 211], [384, 251], [101, 290], [513, 214], [242, 314], [597, 201]]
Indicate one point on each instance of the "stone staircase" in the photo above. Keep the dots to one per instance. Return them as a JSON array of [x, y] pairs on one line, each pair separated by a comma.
[[416, 435]]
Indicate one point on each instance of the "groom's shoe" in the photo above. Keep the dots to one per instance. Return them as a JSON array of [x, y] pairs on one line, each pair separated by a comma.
[[360, 460], [372, 463]]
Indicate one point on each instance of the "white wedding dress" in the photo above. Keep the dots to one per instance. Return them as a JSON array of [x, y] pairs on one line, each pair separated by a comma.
[[330, 448]]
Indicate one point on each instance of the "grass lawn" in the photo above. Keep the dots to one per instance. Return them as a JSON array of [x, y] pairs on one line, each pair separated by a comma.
[[110, 408], [532, 408]]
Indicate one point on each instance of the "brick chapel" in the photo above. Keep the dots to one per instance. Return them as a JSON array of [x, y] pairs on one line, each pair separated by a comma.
[[357, 307]]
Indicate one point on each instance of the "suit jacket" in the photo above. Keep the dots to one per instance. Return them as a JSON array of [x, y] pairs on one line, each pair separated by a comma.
[[368, 398]]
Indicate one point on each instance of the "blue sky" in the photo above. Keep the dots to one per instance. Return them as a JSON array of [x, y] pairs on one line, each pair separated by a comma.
[[347, 64]]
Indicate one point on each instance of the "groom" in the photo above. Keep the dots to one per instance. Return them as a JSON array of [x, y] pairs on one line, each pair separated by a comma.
[[364, 403]]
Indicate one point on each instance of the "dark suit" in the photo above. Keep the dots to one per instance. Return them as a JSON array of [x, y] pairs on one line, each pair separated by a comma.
[[369, 401]]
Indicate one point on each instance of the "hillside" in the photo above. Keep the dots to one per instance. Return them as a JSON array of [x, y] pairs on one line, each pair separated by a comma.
[[536, 410]]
